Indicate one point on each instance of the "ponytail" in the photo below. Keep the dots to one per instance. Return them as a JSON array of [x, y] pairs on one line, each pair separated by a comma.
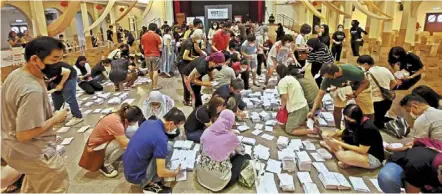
[[130, 113]]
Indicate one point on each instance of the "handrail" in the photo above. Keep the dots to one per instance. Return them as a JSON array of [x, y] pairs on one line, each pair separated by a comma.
[[286, 21]]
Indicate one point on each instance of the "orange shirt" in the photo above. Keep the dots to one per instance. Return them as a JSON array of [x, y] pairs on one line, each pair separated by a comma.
[[151, 42], [106, 130]]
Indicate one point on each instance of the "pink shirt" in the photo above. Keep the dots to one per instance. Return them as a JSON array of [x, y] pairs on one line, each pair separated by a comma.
[[106, 130]]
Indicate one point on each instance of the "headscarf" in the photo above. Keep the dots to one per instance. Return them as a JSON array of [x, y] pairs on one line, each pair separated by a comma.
[[216, 57], [156, 96], [218, 140]]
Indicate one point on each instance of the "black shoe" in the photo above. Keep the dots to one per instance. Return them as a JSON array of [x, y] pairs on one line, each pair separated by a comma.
[[403, 124], [392, 128], [108, 171], [157, 188]]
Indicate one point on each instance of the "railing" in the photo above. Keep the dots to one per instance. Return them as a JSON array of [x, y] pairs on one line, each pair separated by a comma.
[[285, 20]]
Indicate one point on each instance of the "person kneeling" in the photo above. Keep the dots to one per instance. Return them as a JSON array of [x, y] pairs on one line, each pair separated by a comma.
[[218, 168], [145, 158], [107, 141], [362, 147], [85, 80], [232, 96]]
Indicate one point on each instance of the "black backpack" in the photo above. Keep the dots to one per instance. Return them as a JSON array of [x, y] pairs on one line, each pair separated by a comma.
[[398, 128]]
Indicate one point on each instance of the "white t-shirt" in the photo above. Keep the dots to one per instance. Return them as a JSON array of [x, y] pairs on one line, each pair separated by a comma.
[[383, 76], [280, 52], [300, 40], [295, 95], [167, 38], [429, 124]]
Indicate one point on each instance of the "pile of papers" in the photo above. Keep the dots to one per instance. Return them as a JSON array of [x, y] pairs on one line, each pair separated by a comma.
[[266, 184], [254, 116], [334, 180], [114, 101], [183, 144], [104, 95], [324, 153], [124, 96], [358, 184], [274, 166], [295, 144], [320, 167], [265, 116], [261, 152], [88, 104], [282, 142], [286, 182], [326, 119], [309, 145], [327, 102], [303, 161], [310, 188], [99, 101], [304, 177]]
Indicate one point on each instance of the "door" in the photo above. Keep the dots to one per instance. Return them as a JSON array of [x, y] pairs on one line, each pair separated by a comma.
[[316, 21], [433, 22]]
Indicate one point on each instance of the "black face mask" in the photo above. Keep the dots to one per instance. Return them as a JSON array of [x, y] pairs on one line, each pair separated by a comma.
[[50, 70], [219, 68]]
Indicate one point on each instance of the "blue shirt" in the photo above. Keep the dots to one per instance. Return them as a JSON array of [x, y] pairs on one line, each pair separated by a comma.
[[148, 143]]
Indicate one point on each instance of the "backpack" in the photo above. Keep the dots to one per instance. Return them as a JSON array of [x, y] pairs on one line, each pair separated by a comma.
[[398, 128]]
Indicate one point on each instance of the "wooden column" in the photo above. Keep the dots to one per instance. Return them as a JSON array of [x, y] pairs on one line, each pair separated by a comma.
[[85, 19], [38, 15], [404, 22], [112, 20], [411, 30], [387, 34], [347, 53]]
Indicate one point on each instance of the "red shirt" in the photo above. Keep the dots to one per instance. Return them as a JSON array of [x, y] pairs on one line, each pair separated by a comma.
[[151, 42], [221, 40]]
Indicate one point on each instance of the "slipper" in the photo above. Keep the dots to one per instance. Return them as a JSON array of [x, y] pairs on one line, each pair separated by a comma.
[[157, 88]]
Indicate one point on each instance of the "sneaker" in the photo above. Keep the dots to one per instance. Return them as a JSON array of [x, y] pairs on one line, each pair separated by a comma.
[[108, 171], [392, 128], [157, 188], [403, 124], [74, 121]]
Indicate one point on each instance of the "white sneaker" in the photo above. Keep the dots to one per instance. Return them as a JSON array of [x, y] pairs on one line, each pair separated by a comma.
[[74, 121], [108, 171]]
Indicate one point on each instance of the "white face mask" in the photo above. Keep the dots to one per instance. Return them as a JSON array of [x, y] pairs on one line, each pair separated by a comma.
[[215, 26], [413, 116], [287, 44], [252, 45], [340, 29], [173, 132]]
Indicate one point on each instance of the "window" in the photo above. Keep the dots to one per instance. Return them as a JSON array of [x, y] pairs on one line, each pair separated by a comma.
[[439, 18], [431, 18]]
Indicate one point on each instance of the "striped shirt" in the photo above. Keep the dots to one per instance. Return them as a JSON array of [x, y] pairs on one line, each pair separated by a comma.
[[322, 56]]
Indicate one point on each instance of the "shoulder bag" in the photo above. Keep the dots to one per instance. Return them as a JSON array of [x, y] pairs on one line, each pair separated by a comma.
[[386, 94]]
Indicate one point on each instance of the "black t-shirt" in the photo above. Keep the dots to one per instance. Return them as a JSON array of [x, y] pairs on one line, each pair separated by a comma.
[[225, 93], [417, 165], [186, 45], [356, 33], [97, 70], [339, 36], [369, 136], [412, 63], [233, 44], [109, 35], [200, 64], [197, 119], [53, 72]]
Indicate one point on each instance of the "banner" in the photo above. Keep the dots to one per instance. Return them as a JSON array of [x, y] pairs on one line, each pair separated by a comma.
[[222, 13], [12, 57]]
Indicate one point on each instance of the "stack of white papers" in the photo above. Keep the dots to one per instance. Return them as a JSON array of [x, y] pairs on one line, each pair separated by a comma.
[[67, 141], [248, 140], [317, 157], [329, 180], [282, 142], [393, 145], [310, 188], [328, 117], [182, 176], [80, 102], [243, 128], [343, 183], [249, 105], [268, 128], [255, 117], [286, 182], [98, 110], [309, 145], [186, 158], [274, 166], [376, 184], [114, 100], [261, 152], [60, 149], [266, 105], [266, 184], [324, 153], [304, 177], [255, 95], [259, 126], [358, 184], [129, 101], [83, 129], [248, 149], [87, 112], [94, 97], [63, 129], [303, 161], [99, 101], [268, 137], [271, 122], [256, 132], [287, 154], [265, 116], [320, 167], [246, 92], [295, 144], [104, 95], [117, 93], [183, 144], [197, 147], [401, 74], [310, 124], [107, 111], [124, 96], [85, 99], [88, 104]]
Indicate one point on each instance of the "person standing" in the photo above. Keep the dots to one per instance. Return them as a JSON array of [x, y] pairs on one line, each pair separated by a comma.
[[325, 35], [407, 62], [337, 39], [110, 33], [28, 140], [279, 32], [130, 37], [249, 51], [280, 54], [220, 41], [151, 44], [379, 77], [318, 56], [356, 37], [168, 54], [301, 51]]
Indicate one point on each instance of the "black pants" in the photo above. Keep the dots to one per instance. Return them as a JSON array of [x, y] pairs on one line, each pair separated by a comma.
[[315, 70], [197, 91], [261, 59], [355, 48], [407, 84], [237, 162], [301, 62], [380, 109], [245, 76], [336, 51], [90, 86]]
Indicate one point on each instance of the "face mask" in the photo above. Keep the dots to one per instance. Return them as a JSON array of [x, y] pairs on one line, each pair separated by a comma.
[[173, 132], [287, 44], [252, 45], [340, 29], [413, 116], [215, 26], [219, 68], [49, 69]]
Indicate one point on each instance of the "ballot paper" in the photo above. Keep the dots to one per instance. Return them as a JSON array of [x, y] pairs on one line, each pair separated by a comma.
[[99, 101], [240, 138], [87, 112], [243, 128], [248, 149], [183, 144], [63, 129], [304, 177], [376, 184], [328, 117], [60, 149], [266, 184], [317, 157], [268, 137], [107, 111], [261, 152], [303, 161], [328, 180], [104, 95], [282, 142], [98, 110], [324, 153], [124, 96], [320, 167], [114, 100], [259, 126], [197, 147], [309, 145], [83, 129], [274, 166], [401, 74], [286, 182], [248, 140], [343, 183], [129, 101], [287, 154], [265, 116], [256, 132], [259, 166], [310, 123], [295, 144], [67, 141], [88, 104], [117, 93], [393, 145], [255, 117], [358, 184], [268, 128], [310, 188], [271, 122]]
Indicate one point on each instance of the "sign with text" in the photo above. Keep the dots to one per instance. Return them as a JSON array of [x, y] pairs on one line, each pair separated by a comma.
[[222, 13]]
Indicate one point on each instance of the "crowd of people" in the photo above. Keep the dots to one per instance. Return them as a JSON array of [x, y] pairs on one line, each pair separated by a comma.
[[228, 54]]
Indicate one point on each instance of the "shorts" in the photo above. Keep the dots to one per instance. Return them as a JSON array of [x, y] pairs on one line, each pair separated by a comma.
[[253, 62], [373, 162], [296, 119], [153, 63], [363, 100]]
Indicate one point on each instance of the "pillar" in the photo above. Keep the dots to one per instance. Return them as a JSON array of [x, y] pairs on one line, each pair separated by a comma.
[[347, 53], [85, 19], [300, 15], [112, 21], [410, 38], [38, 17], [404, 22], [332, 21], [169, 12], [269, 9], [387, 34], [97, 30]]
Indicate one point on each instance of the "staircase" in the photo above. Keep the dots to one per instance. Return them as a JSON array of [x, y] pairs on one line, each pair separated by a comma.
[[287, 22]]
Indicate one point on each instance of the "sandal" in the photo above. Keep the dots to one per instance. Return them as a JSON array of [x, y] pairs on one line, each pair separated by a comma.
[[187, 103], [157, 88], [15, 186]]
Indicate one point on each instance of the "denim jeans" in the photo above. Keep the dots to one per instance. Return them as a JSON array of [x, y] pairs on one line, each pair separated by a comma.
[[151, 171], [99, 78], [67, 94], [391, 178]]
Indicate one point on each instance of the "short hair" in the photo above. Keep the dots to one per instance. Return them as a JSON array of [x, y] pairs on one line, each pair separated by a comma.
[[282, 71], [197, 22], [329, 69], [306, 29], [42, 47], [244, 62], [226, 55], [408, 99], [175, 115], [365, 59], [165, 22], [227, 24], [286, 38], [106, 60], [251, 37], [166, 30], [152, 26], [431, 96], [111, 26], [237, 84], [293, 71]]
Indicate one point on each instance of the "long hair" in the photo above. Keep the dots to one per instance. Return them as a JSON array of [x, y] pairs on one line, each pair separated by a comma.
[[355, 112], [82, 68], [215, 102], [396, 51], [129, 113]]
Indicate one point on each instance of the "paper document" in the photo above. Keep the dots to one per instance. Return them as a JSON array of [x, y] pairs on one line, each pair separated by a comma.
[[310, 188], [266, 184], [243, 128], [309, 145], [268, 128], [320, 167], [310, 124], [268, 137], [63, 130], [317, 157], [256, 132], [274, 166], [259, 126], [358, 184], [67, 141], [304, 177], [83, 129], [376, 184]]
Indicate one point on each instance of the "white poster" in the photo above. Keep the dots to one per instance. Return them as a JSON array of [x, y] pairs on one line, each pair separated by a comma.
[[222, 13], [201, 18], [12, 57], [189, 20]]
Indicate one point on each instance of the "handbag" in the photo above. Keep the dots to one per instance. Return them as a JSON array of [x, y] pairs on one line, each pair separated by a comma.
[[247, 176], [282, 115], [386, 94]]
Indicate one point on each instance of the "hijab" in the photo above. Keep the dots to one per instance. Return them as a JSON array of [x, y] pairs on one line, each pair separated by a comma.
[[82, 68], [155, 96], [218, 140]]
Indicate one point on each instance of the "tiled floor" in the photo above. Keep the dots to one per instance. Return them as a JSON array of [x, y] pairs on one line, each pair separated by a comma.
[[82, 181]]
